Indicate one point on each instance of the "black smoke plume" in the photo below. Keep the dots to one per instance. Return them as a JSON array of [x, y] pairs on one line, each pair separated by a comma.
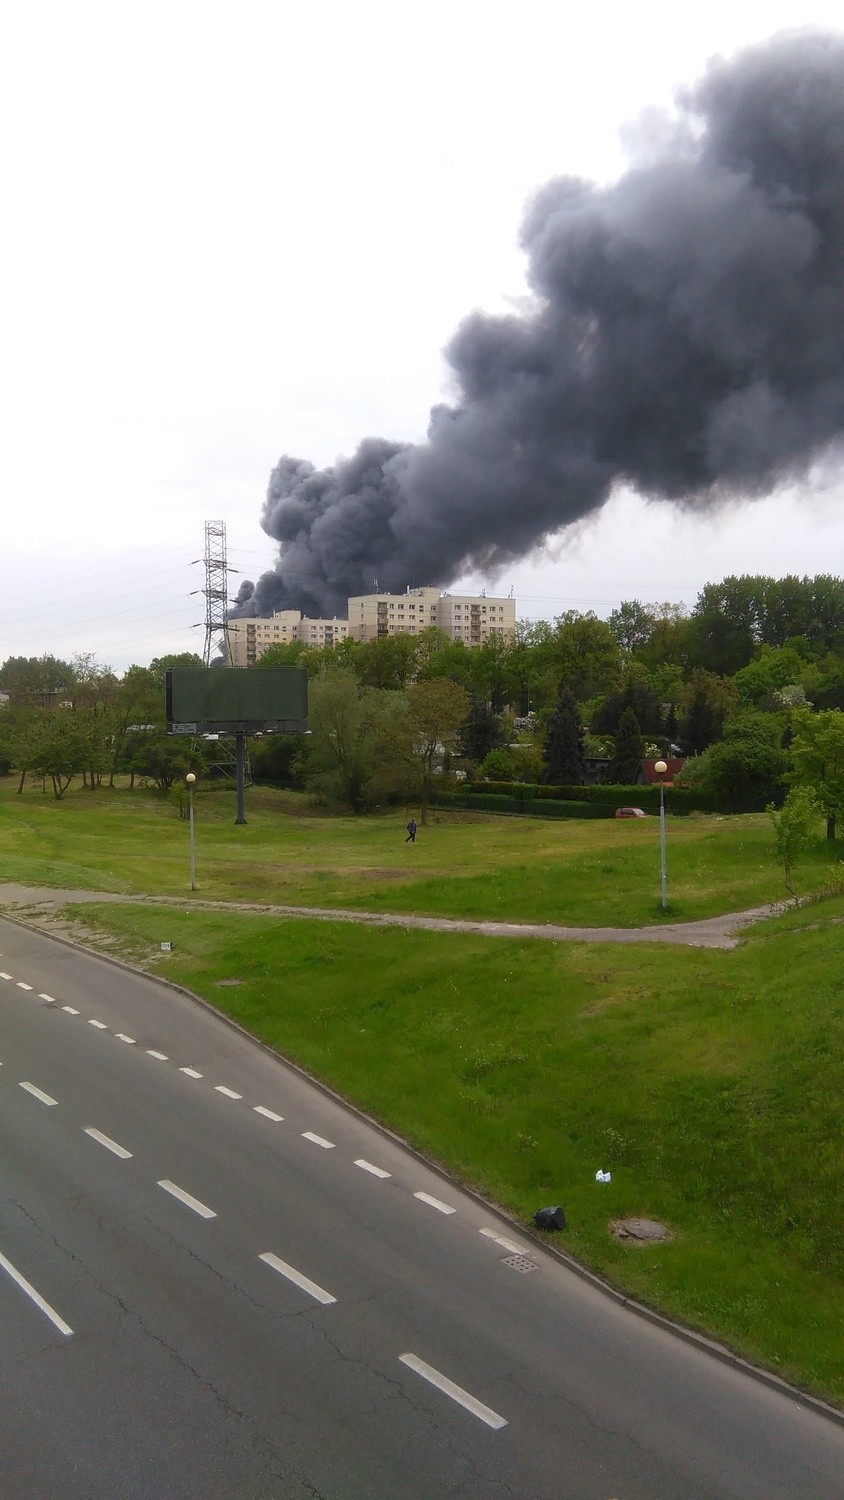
[[686, 337]]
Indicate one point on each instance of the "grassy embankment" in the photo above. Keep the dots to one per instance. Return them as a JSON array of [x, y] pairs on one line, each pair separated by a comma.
[[707, 1081]]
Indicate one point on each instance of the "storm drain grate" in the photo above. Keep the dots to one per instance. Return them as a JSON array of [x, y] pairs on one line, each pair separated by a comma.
[[521, 1263]]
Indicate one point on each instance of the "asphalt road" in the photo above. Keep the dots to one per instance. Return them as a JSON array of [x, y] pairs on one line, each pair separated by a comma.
[[216, 1281]]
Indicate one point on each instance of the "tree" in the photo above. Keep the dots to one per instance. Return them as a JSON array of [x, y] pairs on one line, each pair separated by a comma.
[[285, 654], [631, 624], [529, 662], [138, 708], [563, 753], [161, 759], [775, 668], [708, 703], [586, 655], [793, 828], [280, 759], [828, 690], [50, 743], [35, 681], [7, 729], [639, 697], [480, 732], [488, 669], [747, 765], [159, 665], [626, 763], [497, 766], [734, 617], [825, 627], [726, 625], [817, 757], [387, 663], [435, 712], [347, 731], [432, 647], [669, 641]]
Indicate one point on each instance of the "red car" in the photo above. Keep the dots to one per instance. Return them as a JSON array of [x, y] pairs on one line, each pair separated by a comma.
[[630, 812]]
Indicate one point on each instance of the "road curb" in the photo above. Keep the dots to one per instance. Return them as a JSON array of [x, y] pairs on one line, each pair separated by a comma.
[[688, 1335]]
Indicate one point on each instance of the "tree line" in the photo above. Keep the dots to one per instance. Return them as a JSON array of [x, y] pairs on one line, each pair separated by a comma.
[[69, 719], [739, 686]]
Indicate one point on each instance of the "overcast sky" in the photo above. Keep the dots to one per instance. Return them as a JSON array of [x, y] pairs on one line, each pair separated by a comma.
[[234, 231]]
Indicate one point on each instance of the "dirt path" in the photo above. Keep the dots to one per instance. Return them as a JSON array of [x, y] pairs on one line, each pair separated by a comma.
[[712, 932]]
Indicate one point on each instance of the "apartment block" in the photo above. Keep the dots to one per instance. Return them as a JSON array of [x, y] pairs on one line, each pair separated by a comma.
[[463, 617], [373, 616], [250, 637], [471, 619]]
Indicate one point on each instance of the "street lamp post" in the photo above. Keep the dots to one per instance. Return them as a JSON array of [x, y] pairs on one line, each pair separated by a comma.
[[190, 779], [661, 767]]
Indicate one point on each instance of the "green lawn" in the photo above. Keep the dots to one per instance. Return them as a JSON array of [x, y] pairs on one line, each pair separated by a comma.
[[708, 1082], [521, 869]]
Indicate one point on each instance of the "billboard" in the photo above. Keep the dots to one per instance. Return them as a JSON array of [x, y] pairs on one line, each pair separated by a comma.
[[231, 700]]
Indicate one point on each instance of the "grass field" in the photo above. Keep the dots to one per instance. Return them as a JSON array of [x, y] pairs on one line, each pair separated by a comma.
[[708, 1082], [463, 865]]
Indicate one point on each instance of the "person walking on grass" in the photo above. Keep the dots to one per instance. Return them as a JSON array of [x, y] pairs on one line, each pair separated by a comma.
[[411, 832]]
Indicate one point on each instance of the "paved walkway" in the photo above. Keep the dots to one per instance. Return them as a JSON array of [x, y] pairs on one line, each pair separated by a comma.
[[712, 932]]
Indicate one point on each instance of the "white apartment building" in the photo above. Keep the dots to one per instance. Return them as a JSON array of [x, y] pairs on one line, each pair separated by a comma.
[[463, 617], [250, 637], [372, 616], [471, 619]]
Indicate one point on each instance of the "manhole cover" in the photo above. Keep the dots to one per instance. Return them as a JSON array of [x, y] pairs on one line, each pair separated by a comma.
[[521, 1263], [639, 1229]]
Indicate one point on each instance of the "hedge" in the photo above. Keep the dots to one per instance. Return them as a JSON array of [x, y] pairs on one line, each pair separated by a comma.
[[602, 794], [538, 808], [595, 801]]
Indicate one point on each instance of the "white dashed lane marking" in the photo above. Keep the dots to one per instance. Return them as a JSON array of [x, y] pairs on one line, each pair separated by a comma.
[[456, 1392], [259, 1109], [26, 1286], [297, 1278], [187, 1199], [38, 1093], [443, 1208], [514, 1249], [105, 1140], [318, 1140], [368, 1167]]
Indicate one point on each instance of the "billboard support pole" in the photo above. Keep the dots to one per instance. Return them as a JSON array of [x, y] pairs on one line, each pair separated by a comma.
[[239, 772]]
